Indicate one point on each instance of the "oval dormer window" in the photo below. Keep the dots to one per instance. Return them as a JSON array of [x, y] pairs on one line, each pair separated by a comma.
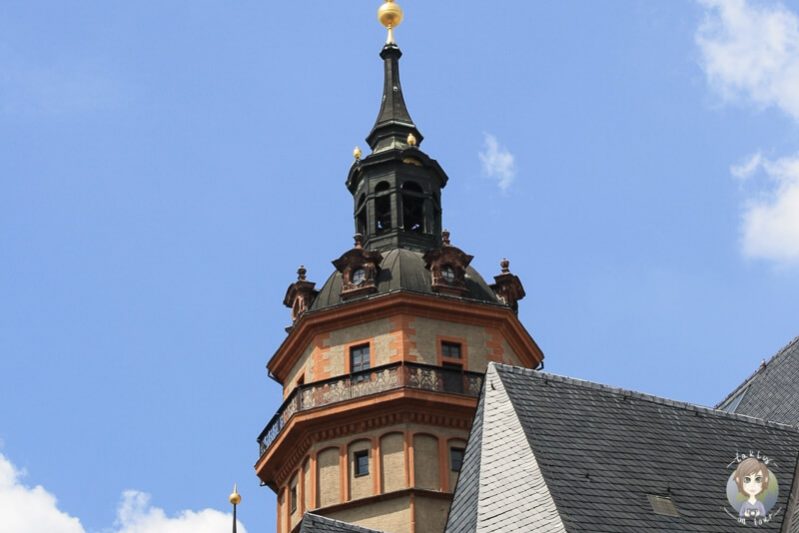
[[358, 276], [448, 274]]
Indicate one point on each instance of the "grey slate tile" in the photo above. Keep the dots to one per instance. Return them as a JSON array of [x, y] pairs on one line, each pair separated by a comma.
[[772, 392], [602, 451], [312, 523]]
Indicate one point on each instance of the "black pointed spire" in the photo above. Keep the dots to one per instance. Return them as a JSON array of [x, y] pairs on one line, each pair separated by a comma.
[[397, 187], [393, 123]]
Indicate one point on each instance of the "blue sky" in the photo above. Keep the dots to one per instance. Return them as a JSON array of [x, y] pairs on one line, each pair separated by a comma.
[[166, 167]]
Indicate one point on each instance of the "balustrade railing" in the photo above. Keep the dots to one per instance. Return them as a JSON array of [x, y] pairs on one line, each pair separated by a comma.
[[366, 382]]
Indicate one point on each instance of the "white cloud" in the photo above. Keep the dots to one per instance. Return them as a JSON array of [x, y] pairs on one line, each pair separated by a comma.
[[770, 221], [136, 515], [30, 509], [748, 167], [498, 162], [750, 52], [26, 509]]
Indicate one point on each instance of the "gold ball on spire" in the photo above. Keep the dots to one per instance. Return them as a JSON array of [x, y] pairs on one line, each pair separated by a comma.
[[390, 14], [356, 153], [411, 140], [235, 497]]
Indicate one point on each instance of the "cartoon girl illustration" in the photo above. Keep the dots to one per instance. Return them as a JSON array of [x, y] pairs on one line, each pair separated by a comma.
[[752, 478]]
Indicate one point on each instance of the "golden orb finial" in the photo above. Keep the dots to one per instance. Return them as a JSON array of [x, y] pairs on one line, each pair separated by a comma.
[[411, 139], [356, 153], [390, 15], [235, 497]]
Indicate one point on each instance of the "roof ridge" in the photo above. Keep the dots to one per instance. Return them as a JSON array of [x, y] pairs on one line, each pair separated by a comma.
[[642, 396], [758, 370]]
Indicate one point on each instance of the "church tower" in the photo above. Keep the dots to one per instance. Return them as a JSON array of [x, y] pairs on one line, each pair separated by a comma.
[[383, 365]]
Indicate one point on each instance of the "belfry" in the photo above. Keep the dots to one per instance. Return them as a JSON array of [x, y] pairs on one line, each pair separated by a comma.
[[383, 364]]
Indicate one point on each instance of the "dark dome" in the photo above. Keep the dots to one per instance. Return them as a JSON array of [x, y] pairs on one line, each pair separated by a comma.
[[404, 270]]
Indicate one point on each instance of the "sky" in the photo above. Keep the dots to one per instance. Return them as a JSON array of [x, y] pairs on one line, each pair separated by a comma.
[[165, 167]]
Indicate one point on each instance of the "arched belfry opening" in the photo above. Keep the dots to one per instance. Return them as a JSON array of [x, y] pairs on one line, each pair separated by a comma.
[[382, 207], [413, 201]]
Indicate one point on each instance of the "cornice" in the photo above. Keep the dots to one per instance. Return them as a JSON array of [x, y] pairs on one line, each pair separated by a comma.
[[398, 303]]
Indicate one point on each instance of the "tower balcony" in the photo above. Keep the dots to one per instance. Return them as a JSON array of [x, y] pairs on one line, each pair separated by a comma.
[[378, 380]]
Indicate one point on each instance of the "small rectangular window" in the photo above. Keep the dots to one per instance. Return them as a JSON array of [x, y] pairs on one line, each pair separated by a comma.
[[361, 463], [450, 350], [456, 459], [359, 358], [293, 499]]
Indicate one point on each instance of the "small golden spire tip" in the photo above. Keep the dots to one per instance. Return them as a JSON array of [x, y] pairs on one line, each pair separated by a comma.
[[390, 15], [235, 497], [356, 153]]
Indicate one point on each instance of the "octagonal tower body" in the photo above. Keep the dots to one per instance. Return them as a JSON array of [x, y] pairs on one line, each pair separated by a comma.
[[382, 366]]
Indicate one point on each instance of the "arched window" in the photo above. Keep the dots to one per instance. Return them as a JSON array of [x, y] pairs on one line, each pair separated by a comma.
[[382, 207], [413, 207], [412, 186]]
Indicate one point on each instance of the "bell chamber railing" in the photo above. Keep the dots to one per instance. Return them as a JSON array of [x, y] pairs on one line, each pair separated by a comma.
[[401, 375]]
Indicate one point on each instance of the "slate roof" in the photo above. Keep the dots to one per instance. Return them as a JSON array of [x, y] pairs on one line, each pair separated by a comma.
[[312, 523], [404, 270], [772, 392], [563, 455]]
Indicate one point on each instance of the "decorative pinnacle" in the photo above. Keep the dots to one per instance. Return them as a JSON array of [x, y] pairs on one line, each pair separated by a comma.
[[445, 237], [505, 266], [235, 497], [390, 15], [358, 240], [301, 273], [411, 139], [356, 153]]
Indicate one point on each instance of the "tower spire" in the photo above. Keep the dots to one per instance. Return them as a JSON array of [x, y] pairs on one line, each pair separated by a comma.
[[393, 122], [396, 188], [235, 500]]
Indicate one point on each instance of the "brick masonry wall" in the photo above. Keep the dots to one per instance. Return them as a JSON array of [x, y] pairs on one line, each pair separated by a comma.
[[397, 338], [401, 337], [307, 489], [425, 462], [392, 451], [329, 477], [426, 442], [453, 476], [296, 516], [361, 486], [390, 516], [431, 514]]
